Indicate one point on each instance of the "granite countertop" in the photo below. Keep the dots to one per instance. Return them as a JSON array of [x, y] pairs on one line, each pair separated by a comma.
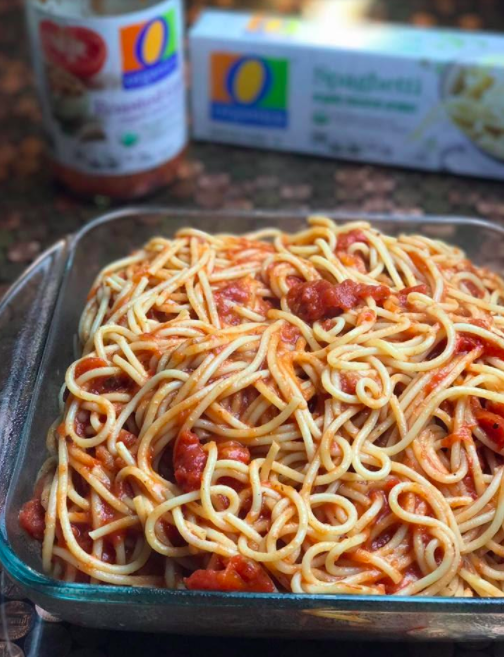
[[35, 213]]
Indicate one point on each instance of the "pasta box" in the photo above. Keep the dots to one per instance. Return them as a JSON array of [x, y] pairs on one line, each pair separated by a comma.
[[422, 98]]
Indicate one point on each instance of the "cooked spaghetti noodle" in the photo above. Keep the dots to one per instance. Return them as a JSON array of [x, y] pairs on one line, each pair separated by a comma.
[[321, 412]]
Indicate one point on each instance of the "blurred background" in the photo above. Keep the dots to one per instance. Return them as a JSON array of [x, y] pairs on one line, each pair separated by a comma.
[[34, 212]]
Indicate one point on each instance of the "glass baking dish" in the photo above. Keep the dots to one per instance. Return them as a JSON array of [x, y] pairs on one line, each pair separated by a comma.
[[38, 322]]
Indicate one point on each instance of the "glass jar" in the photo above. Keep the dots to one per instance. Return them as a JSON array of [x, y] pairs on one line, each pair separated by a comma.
[[110, 77]]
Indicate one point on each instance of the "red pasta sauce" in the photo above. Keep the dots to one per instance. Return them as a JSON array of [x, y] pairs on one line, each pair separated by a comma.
[[239, 574], [320, 299]]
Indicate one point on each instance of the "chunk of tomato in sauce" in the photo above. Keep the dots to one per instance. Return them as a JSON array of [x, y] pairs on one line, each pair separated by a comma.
[[320, 299], [348, 382], [495, 407], [173, 534], [346, 240], [81, 534], [81, 423], [129, 439], [466, 342], [239, 574], [232, 450], [103, 385], [402, 296], [237, 292], [189, 460], [493, 425], [32, 519]]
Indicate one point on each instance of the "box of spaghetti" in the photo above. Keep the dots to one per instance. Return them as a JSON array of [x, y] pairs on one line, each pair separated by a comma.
[[428, 99]]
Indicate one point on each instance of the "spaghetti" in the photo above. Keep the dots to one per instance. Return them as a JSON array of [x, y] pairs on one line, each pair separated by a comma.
[[321, 412]]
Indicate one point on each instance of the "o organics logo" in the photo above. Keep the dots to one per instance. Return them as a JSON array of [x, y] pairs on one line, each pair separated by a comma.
[[249, 90], [149, 51]]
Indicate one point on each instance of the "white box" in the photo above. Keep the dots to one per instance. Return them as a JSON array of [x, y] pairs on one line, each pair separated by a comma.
[[428, 99]]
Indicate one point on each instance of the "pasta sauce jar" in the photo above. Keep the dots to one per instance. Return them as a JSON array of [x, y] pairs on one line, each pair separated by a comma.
[[110, 76]]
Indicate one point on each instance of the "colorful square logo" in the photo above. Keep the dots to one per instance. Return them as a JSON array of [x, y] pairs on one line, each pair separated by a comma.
[[249, 90], [149, 51]]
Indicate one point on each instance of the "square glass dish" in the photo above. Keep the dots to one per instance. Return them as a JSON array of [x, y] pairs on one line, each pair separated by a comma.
[[38, 323]]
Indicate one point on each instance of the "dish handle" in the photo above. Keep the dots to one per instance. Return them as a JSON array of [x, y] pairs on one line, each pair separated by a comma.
[[25, 315]]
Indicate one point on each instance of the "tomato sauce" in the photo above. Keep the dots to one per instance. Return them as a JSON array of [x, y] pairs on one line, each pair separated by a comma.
[[88, 364], [103, 385], [232, 450], [316, 405], [105, 457], [189, 460], [129, 439], [402, 296], [81, 534], [32, 518], [293, 280], [122, 489], [467, 342], [463, 434], [290, 334], [239, 574], [385, 537], [367, 315], [352, 260], [81, 424], [349, 381], [438, 377], [233, 483], [474, 290], [320, 299], [237, 292], [419, 262], [469, 487], [173, 534], [346, 240], [493, 425], [412, 575]]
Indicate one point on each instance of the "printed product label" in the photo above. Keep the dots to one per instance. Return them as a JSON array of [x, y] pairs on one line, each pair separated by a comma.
[[112, 88], [429, 99], [249, 90]]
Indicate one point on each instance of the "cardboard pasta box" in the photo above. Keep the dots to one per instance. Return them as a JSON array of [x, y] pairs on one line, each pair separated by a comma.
[[427, 99]]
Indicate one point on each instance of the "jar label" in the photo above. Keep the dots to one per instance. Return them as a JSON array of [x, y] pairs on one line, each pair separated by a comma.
[[111, 87]]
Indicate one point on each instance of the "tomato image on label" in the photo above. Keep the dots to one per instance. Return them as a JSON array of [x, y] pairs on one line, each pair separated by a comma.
[[79, 50]]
